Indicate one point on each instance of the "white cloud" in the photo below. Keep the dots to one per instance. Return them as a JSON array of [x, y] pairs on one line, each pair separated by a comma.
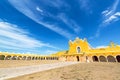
[[50, 51], [109, 15], [117, 14], [70, 23], [12, 37], [38, 9], [101, 46], [26, 7], [56, 3], [105, 12], [96, 35], [112, 18], [85, 5]]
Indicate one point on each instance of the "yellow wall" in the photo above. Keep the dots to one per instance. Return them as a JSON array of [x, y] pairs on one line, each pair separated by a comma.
[[85, 49]]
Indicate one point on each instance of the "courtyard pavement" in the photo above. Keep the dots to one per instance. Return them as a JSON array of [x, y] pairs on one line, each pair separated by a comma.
[[6, 73]]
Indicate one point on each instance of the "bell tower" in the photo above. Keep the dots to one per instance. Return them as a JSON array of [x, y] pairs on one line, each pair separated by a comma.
[[78, 46]]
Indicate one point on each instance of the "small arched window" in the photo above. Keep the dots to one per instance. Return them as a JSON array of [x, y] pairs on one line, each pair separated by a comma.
[[78, 49]]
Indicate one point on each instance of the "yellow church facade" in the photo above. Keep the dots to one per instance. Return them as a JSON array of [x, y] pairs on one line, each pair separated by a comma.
[[80, 50]]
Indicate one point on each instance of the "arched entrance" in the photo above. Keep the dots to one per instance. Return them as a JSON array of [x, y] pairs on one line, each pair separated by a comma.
[[118, 58], [2, 57], [33, 58], [19, 57], [42, 58], [77, 58], [28, 58], [95, 59], [36, 58], [24, 58], [14, 58], [102, 59], [111, 58], [8, 57]]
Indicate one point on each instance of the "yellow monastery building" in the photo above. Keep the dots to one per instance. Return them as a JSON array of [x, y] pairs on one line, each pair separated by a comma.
[[79, 50]]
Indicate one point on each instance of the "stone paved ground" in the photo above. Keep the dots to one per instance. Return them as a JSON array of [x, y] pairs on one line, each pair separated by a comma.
[[6, 73], [81, 71]]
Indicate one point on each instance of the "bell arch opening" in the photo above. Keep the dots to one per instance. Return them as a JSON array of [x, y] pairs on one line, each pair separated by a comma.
[[78, 49]]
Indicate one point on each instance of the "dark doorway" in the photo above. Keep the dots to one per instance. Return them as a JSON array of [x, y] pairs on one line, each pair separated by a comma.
[[78, 58], [118, 58], [95, 59], [33, 58]]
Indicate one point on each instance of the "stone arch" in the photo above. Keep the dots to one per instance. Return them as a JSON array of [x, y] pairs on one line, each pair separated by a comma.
[[111, 58], [33, 58], [56, 58], [29, 58], [2, 57], [95, 58], [44, 58], [24, 58], [118, 58], [14, 58], [102, 59], [50, 58], [19, 57], [53, 58], [8, 57], [41, 58], [77, 58], [36, 58]]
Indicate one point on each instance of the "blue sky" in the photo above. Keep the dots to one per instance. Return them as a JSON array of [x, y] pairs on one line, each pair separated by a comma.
[[46, 26]]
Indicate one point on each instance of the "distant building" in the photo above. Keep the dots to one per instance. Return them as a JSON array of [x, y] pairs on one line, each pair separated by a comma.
[[80, 50]]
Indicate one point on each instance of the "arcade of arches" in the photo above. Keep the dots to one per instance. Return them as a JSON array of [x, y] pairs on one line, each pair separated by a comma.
[[8, 56], [79, 50]]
